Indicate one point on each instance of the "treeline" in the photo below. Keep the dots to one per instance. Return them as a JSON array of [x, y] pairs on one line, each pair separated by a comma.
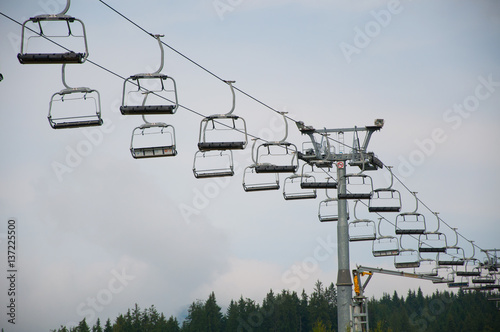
[[317, 312], [439, 312]]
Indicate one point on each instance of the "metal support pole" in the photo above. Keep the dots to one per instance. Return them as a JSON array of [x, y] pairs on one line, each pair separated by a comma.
[[344, 281]]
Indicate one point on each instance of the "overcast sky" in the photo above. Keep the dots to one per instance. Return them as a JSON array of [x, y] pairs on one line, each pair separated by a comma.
[[99, 231]]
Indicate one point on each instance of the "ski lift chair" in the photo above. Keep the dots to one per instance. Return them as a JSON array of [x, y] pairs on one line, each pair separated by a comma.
[[454, 255], [309, 179], [74, 107], [433, 272], [252, 181], [408, 257], [292, 189], [277, 157], [433, 242], [358, 186], [464, 282], [146, 93], [410, 222], [361, 229], [449, 278], [208, 164], [144, 142], [53, 26], [328, 210], [385, 199], [223, 131], [487, 279], [471, 269], [384, 245]]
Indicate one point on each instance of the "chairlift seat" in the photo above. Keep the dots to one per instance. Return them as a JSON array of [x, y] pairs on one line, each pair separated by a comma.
[[266, 168], [328, 210], [490, 287], [207, 146], [293, 191], [296, 196], [483, 280], [26, 57], [407, 258], [457, 262], [151, 152], [354, 195], [459, 284], [410, 223], [386, 252], [468, 273], [358, 186], [400, 231], [222, 116], [254, 182], [148, 109], [213, 164], [72, 116], [433, 242], [328, 218], [368, 231], [367, 237], [404, 265], [202, 175], [384, 208], [76, 124], [432, 249], [150, 148], [261, 187], [149, 75], [51, 58], [319, 185], [132, 89]]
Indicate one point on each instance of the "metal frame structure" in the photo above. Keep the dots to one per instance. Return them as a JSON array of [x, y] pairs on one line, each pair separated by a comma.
[[360, 157], [359, 309]]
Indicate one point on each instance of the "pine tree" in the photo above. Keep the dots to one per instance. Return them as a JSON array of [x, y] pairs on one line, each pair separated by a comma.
[[303, 312], [196, 318], [213, 314], [83, 327], [319, 307], [97, 326], [172, 325], [107, 326]]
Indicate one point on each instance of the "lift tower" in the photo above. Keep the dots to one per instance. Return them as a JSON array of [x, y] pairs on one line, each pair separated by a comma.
[[320, 154]]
